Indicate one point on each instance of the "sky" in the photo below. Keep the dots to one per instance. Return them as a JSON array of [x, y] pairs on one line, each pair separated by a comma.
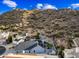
[[7, 5]]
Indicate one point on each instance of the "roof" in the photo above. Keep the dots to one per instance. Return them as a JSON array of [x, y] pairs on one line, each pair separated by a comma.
[[77, 55], [16, 39], [25, 45], [29, 45], [71, 53], [76, 41]]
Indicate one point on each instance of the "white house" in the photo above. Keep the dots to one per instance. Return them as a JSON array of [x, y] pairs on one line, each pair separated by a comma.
[[18, 39], [33, 47], [69, 53], [74, 52], [2, 41], [4, 35]]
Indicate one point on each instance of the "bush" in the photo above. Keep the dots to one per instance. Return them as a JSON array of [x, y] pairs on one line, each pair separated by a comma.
[[9, 40], [37, 36], [60, 51], [76, 35], [48, 45], [59, 34]]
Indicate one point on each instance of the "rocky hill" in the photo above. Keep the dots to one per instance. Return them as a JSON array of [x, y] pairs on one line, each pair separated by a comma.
[[62, 24]]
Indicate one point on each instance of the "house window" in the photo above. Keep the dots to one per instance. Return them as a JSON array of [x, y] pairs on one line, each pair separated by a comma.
[[34, 51], [29, 51]]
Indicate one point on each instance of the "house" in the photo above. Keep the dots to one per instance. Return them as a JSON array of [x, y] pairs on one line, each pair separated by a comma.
[[33, 47], [71, 53], [4, 35], [74, 52], [3, 41], [76, 42], [18, 39]]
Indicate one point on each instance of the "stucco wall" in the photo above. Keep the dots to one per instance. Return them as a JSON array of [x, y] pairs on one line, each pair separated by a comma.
[[37, 49]]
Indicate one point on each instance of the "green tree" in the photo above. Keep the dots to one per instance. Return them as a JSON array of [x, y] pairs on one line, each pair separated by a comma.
[[37, 36], [60, 51], [48, 45], [9, 40]]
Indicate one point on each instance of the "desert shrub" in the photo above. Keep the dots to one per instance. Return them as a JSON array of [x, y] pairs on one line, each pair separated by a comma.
[[59, 34], [60, 52], [37, 36], [9, 40], [76, 35]]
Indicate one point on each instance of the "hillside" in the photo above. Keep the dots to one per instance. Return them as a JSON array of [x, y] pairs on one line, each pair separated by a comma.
[[63, 24]]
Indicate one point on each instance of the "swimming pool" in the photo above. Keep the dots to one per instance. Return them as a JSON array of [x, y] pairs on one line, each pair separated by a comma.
[[2, 50]]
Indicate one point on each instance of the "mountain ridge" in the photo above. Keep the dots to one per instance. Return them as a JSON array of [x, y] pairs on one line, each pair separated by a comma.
[[63, 23]]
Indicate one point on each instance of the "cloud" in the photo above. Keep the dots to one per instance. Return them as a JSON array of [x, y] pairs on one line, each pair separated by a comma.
[[25, 9], [48, 6], [39, 6], [45, 6], [10, 3], [69, 7], [74, 6]]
